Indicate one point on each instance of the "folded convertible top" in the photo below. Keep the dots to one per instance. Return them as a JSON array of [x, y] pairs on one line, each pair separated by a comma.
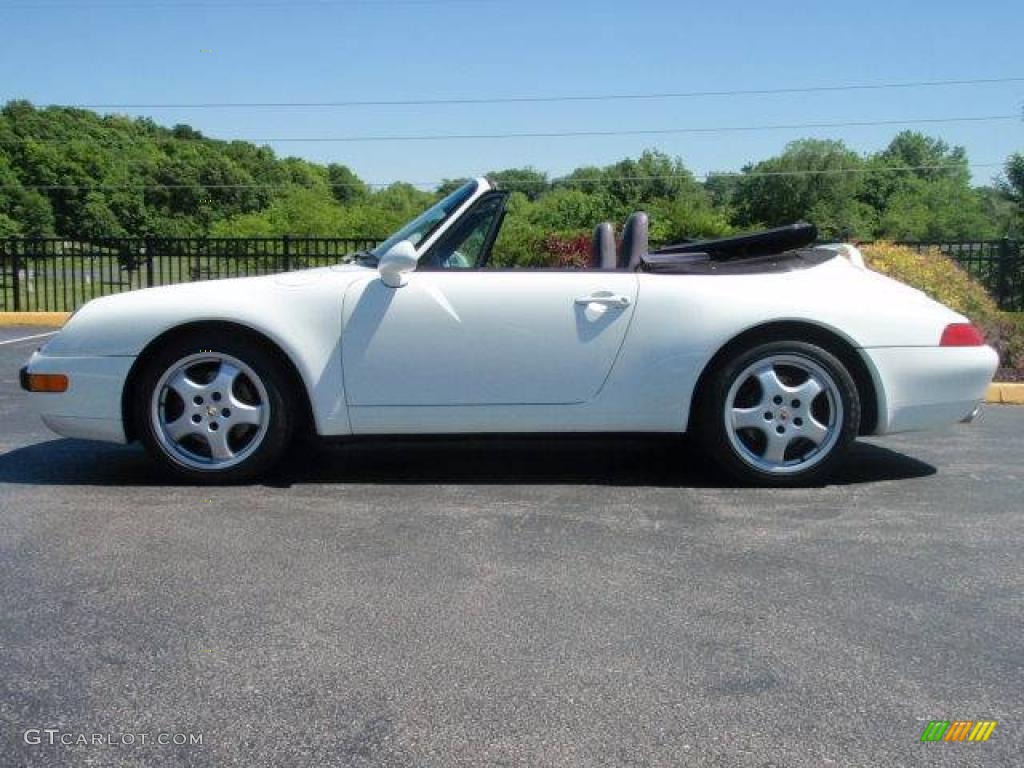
[[766, 243], [702, 264]]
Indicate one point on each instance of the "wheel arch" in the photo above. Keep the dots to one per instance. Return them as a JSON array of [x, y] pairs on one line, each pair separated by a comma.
[[801, 330], [304, 415]]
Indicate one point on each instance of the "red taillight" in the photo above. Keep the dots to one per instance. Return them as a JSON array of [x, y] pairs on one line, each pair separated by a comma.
[[962, 335]]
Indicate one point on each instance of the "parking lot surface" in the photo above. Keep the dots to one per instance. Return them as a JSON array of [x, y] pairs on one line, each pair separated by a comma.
[[511, 602]]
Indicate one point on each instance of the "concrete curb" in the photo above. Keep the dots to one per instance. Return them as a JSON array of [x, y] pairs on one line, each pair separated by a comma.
[[1000, 393], [47, 319], [1006, 394]]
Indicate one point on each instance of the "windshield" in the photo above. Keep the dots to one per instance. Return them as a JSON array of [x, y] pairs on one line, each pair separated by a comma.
[[420, 228]]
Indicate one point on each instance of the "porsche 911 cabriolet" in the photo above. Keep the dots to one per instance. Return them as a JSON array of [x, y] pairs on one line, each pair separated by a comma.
[[773, 352]]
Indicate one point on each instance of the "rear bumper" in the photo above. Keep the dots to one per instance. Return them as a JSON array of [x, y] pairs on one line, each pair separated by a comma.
[[91, 407], [929, 387]]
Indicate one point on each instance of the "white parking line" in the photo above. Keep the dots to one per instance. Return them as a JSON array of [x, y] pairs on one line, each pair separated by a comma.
[[27, 338]]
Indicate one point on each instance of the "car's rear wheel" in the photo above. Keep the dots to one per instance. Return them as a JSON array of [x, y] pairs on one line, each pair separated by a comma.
[[782, 414], [214, 408]]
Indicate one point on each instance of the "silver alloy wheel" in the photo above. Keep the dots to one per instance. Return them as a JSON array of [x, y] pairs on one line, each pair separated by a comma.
[[210, 411], [783, 414]]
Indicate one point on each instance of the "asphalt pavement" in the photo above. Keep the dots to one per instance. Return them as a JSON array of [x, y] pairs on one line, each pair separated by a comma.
[[591, 602]]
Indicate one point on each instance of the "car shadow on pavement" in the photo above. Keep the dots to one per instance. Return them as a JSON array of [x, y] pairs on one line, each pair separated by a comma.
[[587, 460]]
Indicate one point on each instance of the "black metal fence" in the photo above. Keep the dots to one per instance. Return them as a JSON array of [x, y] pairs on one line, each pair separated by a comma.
[[55, 274], [58, 275], [996, 264]]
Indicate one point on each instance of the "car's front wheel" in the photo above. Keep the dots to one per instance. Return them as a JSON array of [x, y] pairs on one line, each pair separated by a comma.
[[214, 408], [782, 413]]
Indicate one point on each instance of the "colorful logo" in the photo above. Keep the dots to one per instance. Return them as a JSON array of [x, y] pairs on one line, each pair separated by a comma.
[[958, 730]]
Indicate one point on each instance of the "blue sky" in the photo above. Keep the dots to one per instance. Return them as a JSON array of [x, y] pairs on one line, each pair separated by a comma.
[[148, 51]]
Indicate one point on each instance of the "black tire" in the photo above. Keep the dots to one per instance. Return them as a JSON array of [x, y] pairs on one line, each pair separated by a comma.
[[273, 436], [738, 454]]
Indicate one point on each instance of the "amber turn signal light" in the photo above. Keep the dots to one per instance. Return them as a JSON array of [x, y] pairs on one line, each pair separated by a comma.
[[47, 382]]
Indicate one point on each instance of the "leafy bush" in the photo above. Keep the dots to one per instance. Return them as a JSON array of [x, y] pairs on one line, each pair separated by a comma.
[[1014, 326], [519, 244], [944, 280], [568, 252]]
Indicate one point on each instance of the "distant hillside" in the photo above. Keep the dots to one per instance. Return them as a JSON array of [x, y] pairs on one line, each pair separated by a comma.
[[71, 172], [75, 173]]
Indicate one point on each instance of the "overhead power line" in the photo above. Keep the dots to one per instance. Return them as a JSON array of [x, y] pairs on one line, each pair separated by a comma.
[[514, 183], [635, 131], [247, 4], [546, 134], [802, 172], [469, 100]]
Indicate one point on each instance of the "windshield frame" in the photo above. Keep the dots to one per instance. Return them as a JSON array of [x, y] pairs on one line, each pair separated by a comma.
[[450, 207]]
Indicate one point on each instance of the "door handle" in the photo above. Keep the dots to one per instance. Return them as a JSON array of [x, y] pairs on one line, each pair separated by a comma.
[[605, 299]]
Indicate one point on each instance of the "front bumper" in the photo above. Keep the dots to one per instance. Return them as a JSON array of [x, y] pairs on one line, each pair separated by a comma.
[[91, 407], [929, 387]]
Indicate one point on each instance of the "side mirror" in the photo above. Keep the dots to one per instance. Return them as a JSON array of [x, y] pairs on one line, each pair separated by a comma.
[[397, 263]]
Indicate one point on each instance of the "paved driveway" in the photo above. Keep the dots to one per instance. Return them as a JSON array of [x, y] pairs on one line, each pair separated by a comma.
[[535, 603]]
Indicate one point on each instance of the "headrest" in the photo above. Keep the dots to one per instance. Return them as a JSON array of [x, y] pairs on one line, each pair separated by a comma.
[[634, 241], [602, 253]]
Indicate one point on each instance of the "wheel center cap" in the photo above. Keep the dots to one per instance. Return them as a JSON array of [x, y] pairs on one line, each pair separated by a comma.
[[783, 414], [211, 411]]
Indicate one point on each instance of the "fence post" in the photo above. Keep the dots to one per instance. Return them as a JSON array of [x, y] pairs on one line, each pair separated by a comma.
[[1003, 274], [286, 262], [3, 274], [1018, 283], [15, 276], [197, 268], [149, 244]]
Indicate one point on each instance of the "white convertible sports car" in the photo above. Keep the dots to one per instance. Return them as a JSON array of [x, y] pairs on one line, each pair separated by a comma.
[[776, 354]]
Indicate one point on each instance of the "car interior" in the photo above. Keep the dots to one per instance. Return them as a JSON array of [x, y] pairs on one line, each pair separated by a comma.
[[469, 243]]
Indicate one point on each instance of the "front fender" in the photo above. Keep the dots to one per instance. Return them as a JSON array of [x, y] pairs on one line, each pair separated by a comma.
[[302, 317]]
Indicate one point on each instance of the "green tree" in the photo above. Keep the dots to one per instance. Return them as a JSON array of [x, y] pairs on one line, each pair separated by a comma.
[[1013, 183], [531, 182], [920, 188], [96, 219], [346, 187], [912, 157], [302, 212], [22, 211], [691, 217], [935, 209], [1001, 212], [72, 172], [1012, 188], [634, 184], [570, 210], [403, 198], [815, 180]]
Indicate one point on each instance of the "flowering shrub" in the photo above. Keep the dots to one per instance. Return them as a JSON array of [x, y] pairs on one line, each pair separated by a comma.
[[944, 280], [567, 251]]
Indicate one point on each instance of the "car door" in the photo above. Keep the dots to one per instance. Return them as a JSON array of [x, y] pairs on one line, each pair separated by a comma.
[[453, 337]]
